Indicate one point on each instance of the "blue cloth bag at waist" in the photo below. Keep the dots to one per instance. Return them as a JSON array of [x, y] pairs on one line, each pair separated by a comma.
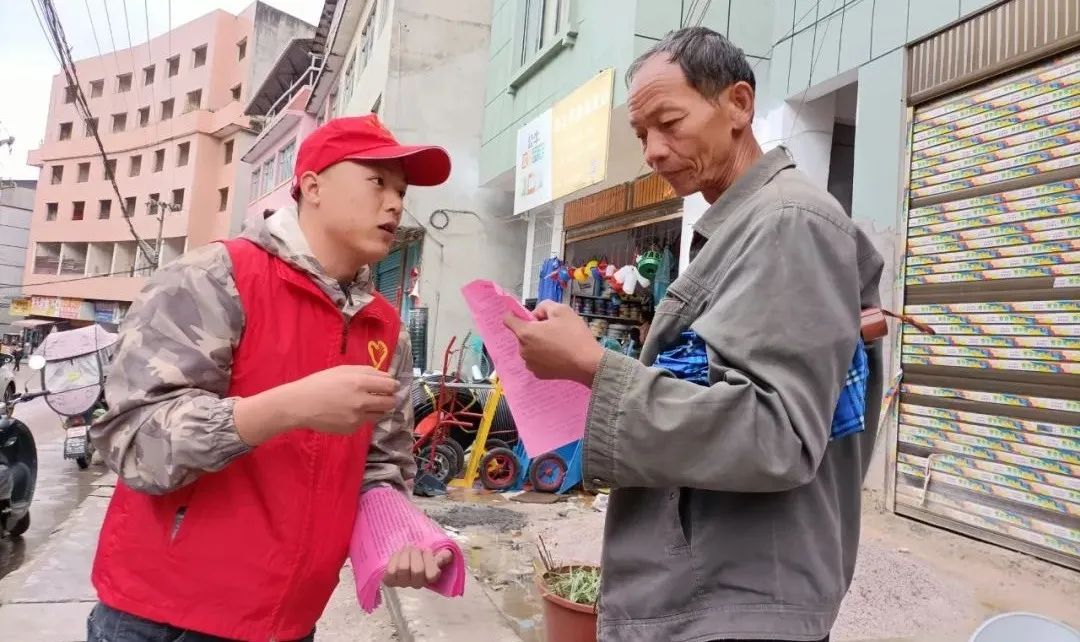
[[689, 361]]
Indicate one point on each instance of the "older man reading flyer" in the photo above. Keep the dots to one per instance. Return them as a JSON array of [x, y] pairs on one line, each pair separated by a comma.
[[735, 506]]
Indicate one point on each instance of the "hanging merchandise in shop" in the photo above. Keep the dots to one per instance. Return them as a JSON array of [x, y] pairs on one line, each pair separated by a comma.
[[988, 438], [620, 252], [565, 148]]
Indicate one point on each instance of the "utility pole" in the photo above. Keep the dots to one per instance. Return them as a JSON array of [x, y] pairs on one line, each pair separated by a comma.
[[158, 209]]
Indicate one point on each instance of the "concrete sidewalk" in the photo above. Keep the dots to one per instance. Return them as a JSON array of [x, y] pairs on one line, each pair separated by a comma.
[[427, 616], [48, 599], [408, 615]]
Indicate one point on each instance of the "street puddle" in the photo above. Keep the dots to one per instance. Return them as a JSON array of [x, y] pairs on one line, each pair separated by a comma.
[[503, 563]]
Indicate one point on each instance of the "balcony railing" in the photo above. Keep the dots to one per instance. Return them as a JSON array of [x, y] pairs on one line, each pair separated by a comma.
[[74, 267], [306, 79], [46, 264]]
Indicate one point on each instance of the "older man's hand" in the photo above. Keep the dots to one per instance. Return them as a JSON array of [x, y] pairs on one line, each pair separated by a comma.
[[558, 345]]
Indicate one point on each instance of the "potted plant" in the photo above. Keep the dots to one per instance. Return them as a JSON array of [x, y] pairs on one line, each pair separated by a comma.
[[569, 594]]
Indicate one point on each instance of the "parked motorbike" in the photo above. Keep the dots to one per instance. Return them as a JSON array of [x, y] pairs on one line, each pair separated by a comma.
[[72, 365], [18, 467]]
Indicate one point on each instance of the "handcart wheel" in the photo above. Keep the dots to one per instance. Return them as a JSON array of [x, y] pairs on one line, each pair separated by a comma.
[[499, 469], [441, 466], [547, 473], [459, 454], [492, 444]]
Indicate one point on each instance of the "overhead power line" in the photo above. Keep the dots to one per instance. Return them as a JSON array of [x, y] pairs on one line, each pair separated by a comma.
[[44, 31], [108, 20], [59, 43], [93, 29], [132, 272], [149, 53]]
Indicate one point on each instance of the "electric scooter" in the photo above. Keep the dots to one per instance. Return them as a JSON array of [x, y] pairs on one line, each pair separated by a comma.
[[18, 467]]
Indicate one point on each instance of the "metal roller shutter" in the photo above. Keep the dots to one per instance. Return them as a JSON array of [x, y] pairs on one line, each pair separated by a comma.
[[989, 417], [389, 274]]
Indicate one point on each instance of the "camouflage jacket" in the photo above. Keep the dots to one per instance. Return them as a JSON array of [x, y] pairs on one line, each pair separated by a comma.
[[169, 420]]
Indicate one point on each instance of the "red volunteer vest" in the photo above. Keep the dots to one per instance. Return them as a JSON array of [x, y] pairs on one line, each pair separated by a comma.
[[253, 552]]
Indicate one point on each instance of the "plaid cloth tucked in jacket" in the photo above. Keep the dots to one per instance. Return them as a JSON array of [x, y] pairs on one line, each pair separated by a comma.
[[850, 414], [689, 360]]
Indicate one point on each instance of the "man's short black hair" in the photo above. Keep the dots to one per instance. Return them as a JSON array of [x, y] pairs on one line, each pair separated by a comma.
[[710, 61]]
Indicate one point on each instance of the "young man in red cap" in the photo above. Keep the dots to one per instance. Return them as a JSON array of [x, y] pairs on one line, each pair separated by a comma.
[[260, 385]]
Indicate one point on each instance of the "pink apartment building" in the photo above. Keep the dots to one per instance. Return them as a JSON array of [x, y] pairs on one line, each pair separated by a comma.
[[170, 113], [280, 101]]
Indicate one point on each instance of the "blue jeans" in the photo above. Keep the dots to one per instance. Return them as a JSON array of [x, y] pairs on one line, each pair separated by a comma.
[[106, 624]]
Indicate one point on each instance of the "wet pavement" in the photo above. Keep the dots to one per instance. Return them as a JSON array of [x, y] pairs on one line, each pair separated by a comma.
[[61, 486]]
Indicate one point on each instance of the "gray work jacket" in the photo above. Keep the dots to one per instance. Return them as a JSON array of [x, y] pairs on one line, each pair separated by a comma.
[[732, 513]]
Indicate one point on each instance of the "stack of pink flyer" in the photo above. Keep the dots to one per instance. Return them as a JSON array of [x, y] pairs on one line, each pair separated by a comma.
[[385, 522]]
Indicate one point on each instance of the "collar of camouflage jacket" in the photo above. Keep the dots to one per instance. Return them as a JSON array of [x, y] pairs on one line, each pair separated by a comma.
[[280, 234]]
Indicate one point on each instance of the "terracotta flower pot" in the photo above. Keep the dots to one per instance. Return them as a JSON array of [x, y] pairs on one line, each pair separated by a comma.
[[566, 621]]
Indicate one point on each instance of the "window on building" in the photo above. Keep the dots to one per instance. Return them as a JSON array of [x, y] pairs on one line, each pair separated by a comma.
[[123, 83], [174, 65], [129, 207], [153, 203], [235, 92], [91, 126], [78, 209], [119, 123], [178, 199], [167, 109], [84, 173], [47, 258], [544, 21], [367, 38], [267, 177], [223, 199], [194, 100], [253, 188], [51, 211], [104, 208], [57, 174], [97, 88], [69, 94], [228, 151], [348, 80], [135, 166], [109, 169], [198, 57], [183, 154], [148, 75], [285, 159], [65, 131], [241, 49], [159, 160], [144, 116]]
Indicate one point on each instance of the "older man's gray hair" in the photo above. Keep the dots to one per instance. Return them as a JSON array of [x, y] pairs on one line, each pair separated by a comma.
[[710, 62]]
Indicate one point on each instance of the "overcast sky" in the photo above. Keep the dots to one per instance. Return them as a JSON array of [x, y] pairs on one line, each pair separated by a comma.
[[27, 64]]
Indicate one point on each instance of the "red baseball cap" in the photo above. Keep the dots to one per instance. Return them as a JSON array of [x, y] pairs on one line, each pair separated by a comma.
[[364, 138]]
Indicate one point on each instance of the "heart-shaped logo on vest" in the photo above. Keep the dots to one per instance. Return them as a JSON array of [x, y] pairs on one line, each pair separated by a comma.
[[378, 352]]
